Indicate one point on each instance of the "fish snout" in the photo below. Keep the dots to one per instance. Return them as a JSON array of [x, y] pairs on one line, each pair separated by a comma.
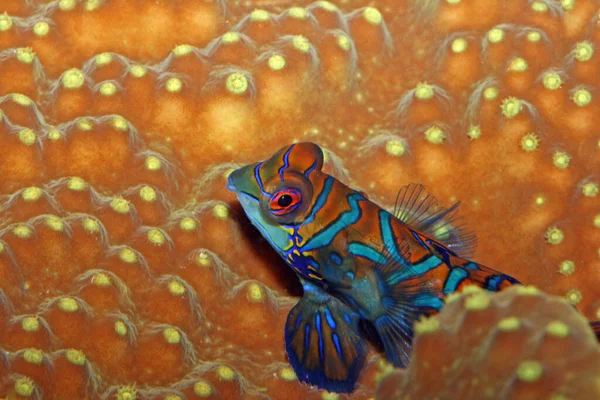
[[230, 183]]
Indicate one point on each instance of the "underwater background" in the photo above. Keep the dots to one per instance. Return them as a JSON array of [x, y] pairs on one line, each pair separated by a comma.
[[128, 271]]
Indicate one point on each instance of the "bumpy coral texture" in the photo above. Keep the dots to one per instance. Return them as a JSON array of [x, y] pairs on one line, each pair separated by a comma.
[[126, 268], [518, 344]]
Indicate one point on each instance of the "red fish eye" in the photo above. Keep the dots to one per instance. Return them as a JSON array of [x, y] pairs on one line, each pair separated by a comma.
[[285, 201]]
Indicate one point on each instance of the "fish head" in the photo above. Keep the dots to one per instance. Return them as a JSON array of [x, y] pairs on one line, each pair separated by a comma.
[[277, 194]]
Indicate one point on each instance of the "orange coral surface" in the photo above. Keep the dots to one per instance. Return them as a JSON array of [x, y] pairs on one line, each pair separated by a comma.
[[126, 268]]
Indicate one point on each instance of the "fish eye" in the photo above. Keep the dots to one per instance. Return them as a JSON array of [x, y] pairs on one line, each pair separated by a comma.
[[285, 201]]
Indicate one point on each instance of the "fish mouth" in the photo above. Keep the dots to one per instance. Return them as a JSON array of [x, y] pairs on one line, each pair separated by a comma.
[[230, 184]]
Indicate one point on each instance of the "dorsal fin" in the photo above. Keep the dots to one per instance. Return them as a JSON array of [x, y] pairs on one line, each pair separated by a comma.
[[419, 209]]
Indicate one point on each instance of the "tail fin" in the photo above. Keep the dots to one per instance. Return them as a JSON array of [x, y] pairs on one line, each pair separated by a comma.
[[596, 327]]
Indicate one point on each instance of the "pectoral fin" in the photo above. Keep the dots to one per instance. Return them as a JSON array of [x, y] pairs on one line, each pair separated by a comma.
[[323, 342]]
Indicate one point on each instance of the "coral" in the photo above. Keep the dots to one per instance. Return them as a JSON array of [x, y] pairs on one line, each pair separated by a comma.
[[517, 344], [120, 246]]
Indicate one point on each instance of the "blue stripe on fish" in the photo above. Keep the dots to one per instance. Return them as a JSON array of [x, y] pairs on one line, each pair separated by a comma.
[[428, 300], [321, 200], [310, 169], [338, 346], [286, 162], [345, 219], [414, 270], [306, 339], [330, 319], [335, 258], [362, 250], [454, 279], [320, 335], [389, 238], [259, 179]]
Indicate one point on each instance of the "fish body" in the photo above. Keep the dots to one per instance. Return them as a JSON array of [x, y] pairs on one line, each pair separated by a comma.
[[356, 261]]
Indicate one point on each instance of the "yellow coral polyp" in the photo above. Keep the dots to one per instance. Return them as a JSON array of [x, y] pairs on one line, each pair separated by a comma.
[[187, 224], [173, 85], [30, 324], [491, 93], [530, 142], [120, 328], [590, 189], [90, 225], [153, 163], [552, 81], [301, 43], [24, 387], [25, 55], [76, 184], [297, 13], [372, 16], [75, 357], [427, 325], [236, 83], [424, 91], [33, 356], [459, 45], [148, 194], [120, 124], [156, 237], [6, 22], [582, 97], [395, 147], [127, 255], [534, 36], [138, 71], [73, 79], [41, 28], [85, 124], [573, 296], [203, 259], [435, 135], [103, 59], [343, 42], [66, 5], [67, 304], [108, 89], [558, 329], [225, 373], [474, 132], [554, 235], [287, 374], [259, 15], [54, 223], [584, 51], [561, 160], [91, 5], [566, 267], [32, 193], [539, 6], [509, 324], [221, 211], [126, 393], [182, 50], [511, 107], [477, 302], [22, 231], [495, 35], [120, 205], [596, 221], [21, 99], [101, 280], [171, 336], [202, 389], [255, 292], [567, 5], [529, 371], [276, 62], [518, 64], [176, 288], [231, 38]]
